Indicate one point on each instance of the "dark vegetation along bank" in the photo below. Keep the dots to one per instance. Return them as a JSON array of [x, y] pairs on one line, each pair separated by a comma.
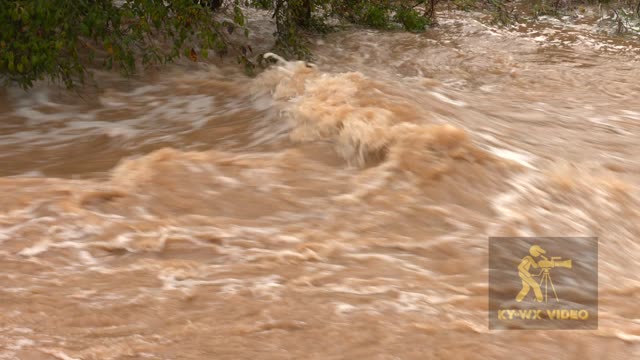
[[60, 40]]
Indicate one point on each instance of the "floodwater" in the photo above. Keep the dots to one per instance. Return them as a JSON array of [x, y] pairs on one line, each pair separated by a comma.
[[339, 210]]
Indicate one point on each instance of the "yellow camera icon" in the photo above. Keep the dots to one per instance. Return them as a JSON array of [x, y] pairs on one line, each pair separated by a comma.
[[545, 264]]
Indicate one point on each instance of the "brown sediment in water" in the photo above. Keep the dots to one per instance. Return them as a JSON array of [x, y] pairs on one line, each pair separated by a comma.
[[337, 211]]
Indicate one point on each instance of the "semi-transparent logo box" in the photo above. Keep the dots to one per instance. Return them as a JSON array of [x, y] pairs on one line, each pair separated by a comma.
[[543, 283]]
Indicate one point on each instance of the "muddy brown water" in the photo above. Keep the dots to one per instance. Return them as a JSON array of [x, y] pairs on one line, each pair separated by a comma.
[[338, 211]]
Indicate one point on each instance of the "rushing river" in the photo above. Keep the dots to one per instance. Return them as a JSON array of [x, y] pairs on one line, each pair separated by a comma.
[[338, 210]]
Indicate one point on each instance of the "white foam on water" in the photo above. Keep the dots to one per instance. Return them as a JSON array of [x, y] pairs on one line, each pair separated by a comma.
[[20, 343], [448, 100], [520, 158], [59, 354]]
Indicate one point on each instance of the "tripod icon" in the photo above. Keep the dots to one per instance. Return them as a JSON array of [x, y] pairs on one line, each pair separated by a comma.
[[546, 279]]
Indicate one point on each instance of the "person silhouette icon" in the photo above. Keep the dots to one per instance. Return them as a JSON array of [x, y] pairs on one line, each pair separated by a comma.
[[528, 282]]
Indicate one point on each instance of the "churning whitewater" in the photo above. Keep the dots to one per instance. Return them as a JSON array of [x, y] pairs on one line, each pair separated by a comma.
[[320, 211]]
